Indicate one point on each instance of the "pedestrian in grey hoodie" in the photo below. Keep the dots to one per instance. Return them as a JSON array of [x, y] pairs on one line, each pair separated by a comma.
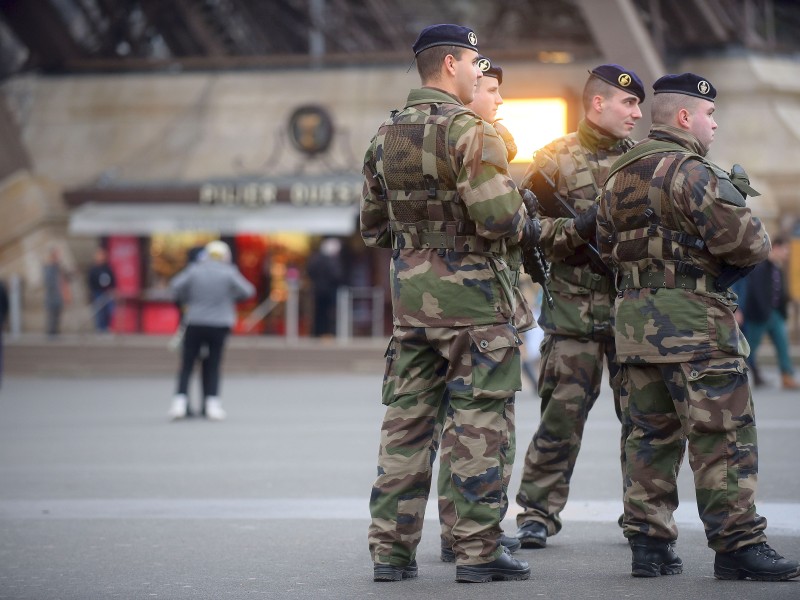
[[209, 289]]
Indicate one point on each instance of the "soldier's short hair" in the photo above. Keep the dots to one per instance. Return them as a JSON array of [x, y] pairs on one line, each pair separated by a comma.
[[666, 106], [595, 87], [429, 62]]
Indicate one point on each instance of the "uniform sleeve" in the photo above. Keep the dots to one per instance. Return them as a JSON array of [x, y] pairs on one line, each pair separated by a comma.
[[726, 224], [374, 215], [559, 239], [489, 194]]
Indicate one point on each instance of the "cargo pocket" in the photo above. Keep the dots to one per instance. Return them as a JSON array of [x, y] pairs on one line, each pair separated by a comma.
[[496, 368], [723, 427]]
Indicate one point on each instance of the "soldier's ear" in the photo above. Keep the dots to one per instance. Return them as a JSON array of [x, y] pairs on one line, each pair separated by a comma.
[[597, 103], [450, 64]]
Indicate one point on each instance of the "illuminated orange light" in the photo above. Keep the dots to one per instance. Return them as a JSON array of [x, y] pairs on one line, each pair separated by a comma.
[[533, 122]]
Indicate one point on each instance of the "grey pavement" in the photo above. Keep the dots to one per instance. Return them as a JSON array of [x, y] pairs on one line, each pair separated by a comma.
[[102, 497]]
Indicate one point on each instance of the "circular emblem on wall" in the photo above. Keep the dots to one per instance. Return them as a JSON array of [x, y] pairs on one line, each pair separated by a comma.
[[703, 86], [473, 39], [311, 129], [624, 80], [484, 65]]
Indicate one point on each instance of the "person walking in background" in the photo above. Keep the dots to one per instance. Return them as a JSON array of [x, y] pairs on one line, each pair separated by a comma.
[[676, 225], [102, 284], [324, 269], [56, 292], [765, 311], [739, 288], [3, 317], [210, 289], [578, 332], [193, 254]]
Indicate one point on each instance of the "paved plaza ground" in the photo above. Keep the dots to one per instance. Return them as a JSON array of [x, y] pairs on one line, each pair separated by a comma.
[[102, 497]]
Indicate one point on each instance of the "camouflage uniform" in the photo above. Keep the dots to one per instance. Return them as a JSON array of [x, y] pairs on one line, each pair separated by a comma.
[[671, 221], [438, 192], [578, 333]]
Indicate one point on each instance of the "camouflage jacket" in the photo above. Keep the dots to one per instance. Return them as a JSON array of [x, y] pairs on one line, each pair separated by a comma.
[[578, 164], [671, 222], [437, 190]]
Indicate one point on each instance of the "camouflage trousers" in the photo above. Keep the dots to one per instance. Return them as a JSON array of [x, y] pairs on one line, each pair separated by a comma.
[[479, 369], [448, 509], [708, 406], [571, 372]]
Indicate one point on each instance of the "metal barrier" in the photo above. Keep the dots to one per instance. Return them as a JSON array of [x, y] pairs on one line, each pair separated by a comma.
[[345, 298]]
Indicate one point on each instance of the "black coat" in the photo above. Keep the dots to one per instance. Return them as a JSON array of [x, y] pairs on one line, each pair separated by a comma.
[[760, 291], [3, 303]]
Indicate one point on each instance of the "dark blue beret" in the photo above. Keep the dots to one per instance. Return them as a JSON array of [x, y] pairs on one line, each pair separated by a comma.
[[685, 83], [620, 78], [445, 35], [490, 70]]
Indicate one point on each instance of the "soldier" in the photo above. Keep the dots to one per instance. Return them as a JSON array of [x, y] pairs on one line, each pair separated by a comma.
[[578, 333], [679, 231], [485, 104], [438, 192]]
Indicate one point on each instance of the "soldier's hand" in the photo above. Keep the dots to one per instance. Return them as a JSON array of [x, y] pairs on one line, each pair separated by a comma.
[[531, 202], [531, 232], [586, 223]]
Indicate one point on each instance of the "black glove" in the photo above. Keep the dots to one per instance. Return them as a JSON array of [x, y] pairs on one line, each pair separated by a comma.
[[531, 202], [531, 232], [586, 223]]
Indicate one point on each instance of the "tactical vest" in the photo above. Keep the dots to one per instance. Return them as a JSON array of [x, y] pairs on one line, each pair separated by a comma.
[[582, 176], [419, 183], [581, 183], [651, 248]]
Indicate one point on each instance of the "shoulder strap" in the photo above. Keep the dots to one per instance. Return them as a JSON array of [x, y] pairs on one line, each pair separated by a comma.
[[648, 148]]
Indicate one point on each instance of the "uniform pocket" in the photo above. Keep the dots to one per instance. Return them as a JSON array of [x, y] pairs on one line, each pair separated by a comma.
[[496, 369], [572, 313], [722, 432], [718, 394]]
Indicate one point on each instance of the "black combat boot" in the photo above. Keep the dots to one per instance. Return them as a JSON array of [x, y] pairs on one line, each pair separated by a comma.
[[758, 561], [508, 542], [653, 557], [393, 573], [532, 534], [503, 568]]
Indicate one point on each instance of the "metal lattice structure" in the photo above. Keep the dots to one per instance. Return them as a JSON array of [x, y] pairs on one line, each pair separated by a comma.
[[58, 36]]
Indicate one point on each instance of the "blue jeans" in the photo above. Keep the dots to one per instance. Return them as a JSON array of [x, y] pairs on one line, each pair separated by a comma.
[[103, 306], [775, 327]]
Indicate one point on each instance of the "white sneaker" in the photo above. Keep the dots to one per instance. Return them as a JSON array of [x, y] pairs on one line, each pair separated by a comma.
[[214, 409], [179, 407]]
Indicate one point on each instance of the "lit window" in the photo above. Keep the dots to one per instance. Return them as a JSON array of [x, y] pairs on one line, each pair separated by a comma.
[[533, 123]]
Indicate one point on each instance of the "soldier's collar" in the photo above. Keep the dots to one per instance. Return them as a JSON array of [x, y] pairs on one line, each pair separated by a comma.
[[594, 138], [429, 95], [681, 136]]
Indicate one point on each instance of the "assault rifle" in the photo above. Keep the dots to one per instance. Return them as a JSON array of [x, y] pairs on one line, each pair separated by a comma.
[[552, 204], [532, 256]]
